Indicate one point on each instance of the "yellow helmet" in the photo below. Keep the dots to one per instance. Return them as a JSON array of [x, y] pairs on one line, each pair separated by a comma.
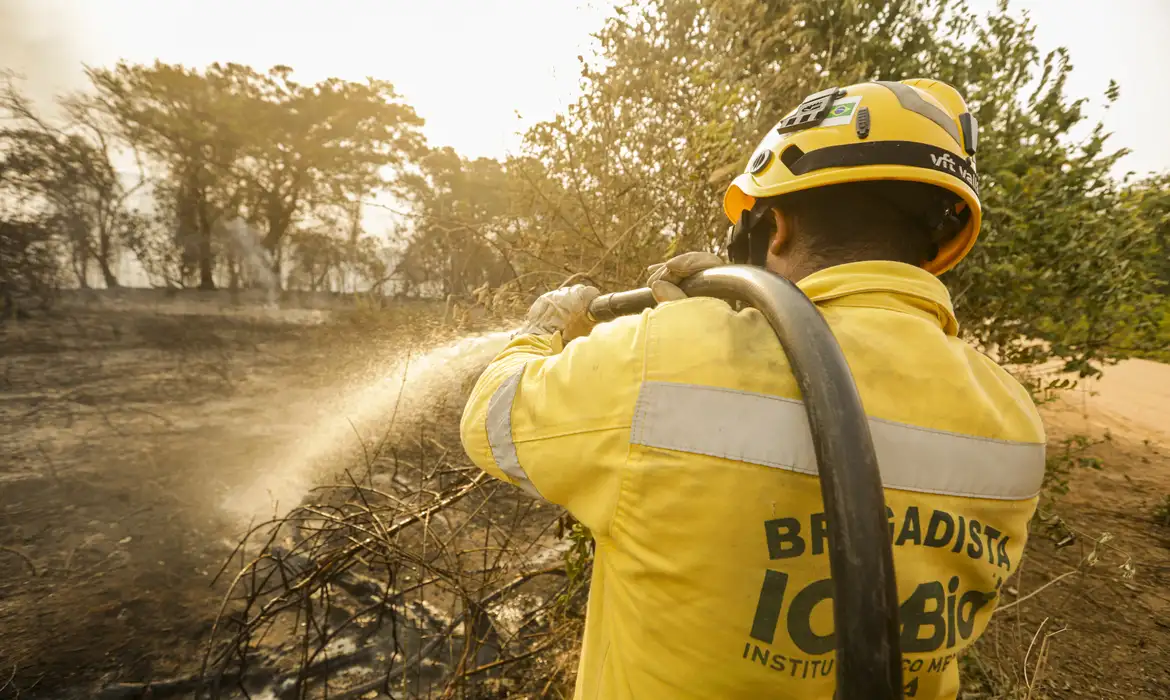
[[916, 130]]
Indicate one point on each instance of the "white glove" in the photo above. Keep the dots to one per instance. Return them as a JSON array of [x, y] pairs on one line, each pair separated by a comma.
[[561, 310], [664, 277]]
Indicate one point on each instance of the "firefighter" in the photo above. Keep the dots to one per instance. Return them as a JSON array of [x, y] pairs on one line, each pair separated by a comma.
[[678, 438]]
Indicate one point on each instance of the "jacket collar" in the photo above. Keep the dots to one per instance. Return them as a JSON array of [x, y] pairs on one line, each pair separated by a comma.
[[884, 284]]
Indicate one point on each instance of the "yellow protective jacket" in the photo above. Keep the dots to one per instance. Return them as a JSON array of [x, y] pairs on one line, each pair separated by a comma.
[[678, 438]]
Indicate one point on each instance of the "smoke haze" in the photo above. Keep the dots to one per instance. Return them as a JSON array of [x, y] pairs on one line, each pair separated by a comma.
[[39, 41]]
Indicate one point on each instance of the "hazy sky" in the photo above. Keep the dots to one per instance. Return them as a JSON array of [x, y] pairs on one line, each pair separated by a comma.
[[468, 66]]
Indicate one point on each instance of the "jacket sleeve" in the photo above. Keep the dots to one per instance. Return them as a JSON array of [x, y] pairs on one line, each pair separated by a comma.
[[555, 419]]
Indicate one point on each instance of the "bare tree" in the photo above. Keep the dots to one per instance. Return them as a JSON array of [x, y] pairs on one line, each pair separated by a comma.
[[67, 172]]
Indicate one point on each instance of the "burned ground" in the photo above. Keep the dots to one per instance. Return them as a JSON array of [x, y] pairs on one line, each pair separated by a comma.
[[140, 442]]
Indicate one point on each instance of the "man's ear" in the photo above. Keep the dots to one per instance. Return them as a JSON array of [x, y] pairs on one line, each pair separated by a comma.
[[781, 233]]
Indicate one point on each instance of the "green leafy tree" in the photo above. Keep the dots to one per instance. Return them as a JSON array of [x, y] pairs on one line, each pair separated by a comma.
[[635, 169], [319, 259], [1063, 258], [29, 263], [236, 142], [1151, 198]]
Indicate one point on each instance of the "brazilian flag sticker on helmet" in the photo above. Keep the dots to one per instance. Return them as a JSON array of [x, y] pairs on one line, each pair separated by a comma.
[[841, 112]]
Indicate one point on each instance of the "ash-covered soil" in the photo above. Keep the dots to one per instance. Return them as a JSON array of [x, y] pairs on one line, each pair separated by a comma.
[[139, 441]]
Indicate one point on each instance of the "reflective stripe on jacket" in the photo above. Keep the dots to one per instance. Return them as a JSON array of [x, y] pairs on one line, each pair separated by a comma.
[[678, 438]]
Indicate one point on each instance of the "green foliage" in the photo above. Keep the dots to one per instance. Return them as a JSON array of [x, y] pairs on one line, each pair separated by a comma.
[[1151, 199], [578, 558], [635, 169], [1072, 455], [306, 146], [1064, 257], [1162, 511], [29, 265], [1159, 350], [461, 213], [170, 114]]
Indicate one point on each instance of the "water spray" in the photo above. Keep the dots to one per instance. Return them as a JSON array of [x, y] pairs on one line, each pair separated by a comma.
[[344, 425], [255, 257]]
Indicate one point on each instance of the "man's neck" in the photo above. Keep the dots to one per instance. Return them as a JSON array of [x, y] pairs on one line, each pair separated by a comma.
[[795, 271]]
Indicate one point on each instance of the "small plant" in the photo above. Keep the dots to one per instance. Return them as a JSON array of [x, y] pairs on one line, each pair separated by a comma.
[[1162, 511], [578, 557], [1044, 390], [1073, 455]]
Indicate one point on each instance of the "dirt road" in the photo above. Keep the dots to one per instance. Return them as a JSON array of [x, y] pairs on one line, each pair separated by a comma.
[[1132, 400]]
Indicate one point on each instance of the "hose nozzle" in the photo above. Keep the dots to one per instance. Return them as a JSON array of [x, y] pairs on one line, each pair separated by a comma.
[[607, 307]]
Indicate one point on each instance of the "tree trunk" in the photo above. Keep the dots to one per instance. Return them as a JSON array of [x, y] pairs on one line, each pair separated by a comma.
[[234, 276], [81, 266], [206, 279], [321, 280], [277, 282], [205, 220], [187, 235], [233, 270], [104, 253], [271, 243], [206, 258]]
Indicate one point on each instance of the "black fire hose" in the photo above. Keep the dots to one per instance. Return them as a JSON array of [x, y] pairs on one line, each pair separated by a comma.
[[865, 599]]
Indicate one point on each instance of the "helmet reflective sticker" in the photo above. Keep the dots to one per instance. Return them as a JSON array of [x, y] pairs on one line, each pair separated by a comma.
[[910, 99]]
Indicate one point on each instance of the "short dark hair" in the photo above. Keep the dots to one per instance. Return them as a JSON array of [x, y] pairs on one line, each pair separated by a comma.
[[869, 220]]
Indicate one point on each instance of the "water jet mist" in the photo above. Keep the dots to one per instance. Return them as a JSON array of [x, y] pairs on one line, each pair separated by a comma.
[[342, 427]]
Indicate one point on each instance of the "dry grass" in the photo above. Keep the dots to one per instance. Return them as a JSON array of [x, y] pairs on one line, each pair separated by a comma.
[[419, 576], [1010, 661]]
